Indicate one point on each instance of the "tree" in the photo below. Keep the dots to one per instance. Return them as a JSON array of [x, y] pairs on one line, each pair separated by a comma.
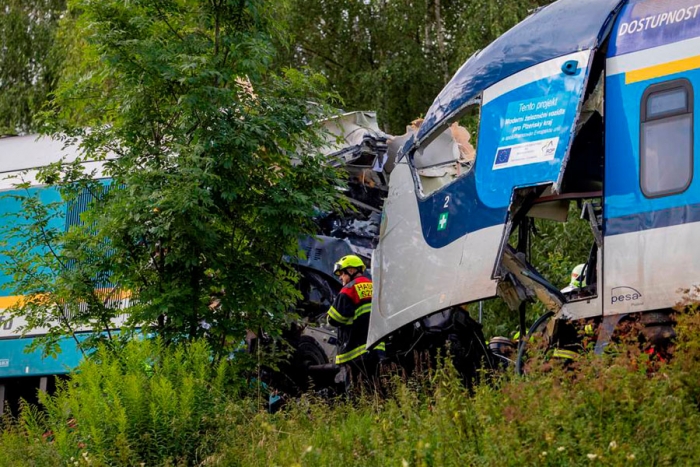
[[215, 178], [29, 63], [475, 24], [374, 53], [394, 56]]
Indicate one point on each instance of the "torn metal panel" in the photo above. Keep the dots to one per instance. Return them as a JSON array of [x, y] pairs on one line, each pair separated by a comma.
[[354, 139], [394, 147], [322, 252], [528, 282], [355, 143], [512, 292], [593, 214]]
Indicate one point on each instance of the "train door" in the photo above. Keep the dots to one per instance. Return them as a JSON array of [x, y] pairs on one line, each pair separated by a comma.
[[652, 191]]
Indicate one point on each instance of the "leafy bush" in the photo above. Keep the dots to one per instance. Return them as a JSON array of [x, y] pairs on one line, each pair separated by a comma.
[[617, 409], [160, 406], [147, 404]]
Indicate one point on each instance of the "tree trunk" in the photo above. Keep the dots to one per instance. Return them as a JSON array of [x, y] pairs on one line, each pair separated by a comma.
[[441, 40]]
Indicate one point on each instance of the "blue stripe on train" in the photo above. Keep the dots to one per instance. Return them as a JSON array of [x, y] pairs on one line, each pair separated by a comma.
[[14, 361], [652, 220]]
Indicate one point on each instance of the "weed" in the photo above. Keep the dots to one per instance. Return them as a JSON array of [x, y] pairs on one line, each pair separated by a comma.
[[154, 405]]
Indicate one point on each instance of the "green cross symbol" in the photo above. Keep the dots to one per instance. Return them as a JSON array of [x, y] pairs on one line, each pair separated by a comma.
[[442, 222]]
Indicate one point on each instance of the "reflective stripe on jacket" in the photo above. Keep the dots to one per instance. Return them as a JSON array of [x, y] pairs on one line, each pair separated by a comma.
[[565, 354], [350, 313]]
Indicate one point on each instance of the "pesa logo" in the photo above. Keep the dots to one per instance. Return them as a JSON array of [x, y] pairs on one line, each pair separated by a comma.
[[624, 294]]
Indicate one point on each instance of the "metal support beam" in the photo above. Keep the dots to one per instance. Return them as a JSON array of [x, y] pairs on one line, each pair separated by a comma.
[[2, 399], [523, 247], [43, 383]]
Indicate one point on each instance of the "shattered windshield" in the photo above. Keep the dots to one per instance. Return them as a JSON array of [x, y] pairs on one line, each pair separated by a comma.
[[450, 155]]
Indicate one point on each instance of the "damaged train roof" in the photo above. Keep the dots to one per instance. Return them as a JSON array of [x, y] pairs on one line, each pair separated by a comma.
[[558, 29], [351, 135]]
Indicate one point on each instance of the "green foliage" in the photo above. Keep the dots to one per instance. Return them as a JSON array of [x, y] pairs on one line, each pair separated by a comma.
[[557, 247], [393, 56], [611, 410], [30, 64], [212, 168], [166, 405], [477, 24], [148, 403], [390, 56], [374, 53]]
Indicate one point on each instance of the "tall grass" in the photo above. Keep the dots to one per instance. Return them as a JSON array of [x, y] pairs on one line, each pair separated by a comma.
[[620, 409], [145, 404], [605, 412]]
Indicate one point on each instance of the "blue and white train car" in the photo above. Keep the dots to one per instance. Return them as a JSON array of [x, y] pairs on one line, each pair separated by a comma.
[[652, 190], [21, 373], [589, 100]]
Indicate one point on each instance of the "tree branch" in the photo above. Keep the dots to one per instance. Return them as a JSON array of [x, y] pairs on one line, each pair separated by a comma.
[[324, 57], [165, 20]]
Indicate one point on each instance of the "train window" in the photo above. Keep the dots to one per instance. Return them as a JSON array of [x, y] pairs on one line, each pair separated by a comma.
[[448, 156], [666, 138]]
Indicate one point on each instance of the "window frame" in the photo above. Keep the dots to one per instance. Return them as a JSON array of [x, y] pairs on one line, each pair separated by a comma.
[[656, 88], [468, 107]]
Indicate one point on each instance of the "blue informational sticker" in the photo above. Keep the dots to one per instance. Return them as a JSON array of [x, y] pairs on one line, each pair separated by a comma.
[[525, 132], [531, 129], [532, 119]]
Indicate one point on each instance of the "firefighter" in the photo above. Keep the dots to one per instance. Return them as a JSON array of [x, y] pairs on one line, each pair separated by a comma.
[[576, 283], [350, 314], [577, 279]]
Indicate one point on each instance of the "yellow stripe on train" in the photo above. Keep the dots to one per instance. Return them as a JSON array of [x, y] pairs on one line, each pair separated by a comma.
[[664, 69]]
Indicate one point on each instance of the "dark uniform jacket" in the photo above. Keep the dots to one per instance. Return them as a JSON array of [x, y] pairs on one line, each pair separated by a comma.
[[350, 313]]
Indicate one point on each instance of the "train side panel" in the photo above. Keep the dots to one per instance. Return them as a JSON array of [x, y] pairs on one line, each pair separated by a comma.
[[652, 188]]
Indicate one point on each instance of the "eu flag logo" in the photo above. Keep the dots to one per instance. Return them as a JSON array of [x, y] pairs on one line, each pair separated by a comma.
[[502, 156]]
